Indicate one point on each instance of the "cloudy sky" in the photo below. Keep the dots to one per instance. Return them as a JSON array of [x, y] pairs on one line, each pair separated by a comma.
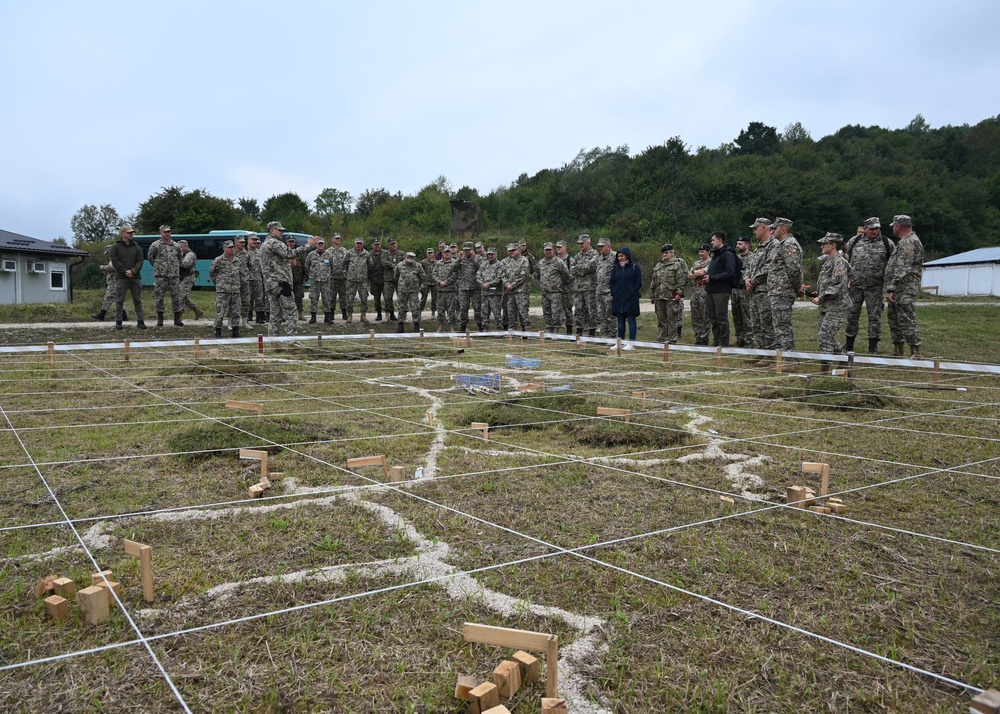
[[107, 102]]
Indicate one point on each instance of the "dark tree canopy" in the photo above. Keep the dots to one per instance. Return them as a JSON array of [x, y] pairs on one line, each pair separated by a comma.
[[757, 138], [195, 211], [289, 208]]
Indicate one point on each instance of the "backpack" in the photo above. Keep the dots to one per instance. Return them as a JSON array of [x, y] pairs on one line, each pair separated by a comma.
[[886, 243]]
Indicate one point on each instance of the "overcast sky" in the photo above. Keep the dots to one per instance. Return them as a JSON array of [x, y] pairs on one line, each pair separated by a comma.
[[107, 102]]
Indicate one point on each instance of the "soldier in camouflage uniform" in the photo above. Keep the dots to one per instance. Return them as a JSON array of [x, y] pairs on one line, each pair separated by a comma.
[[832, 294], [318, 267], [902, 285], [553, 276], [784, 283], [445, 278], [376, 277], [666, 292], [427, 288], [584, 274], [188, 274], [227, 274], [409, 277], [299, 274], [390, 259], [488, 278], [165, 256], [740, 298], [562, 253], [602, 292], [756, 282], [699, 302], [516, 279], [243, 258], [358, 263], [255, 280], [869, 253], [110, 289], [275, 257], [467, 287], [504, 297], [338, 277]]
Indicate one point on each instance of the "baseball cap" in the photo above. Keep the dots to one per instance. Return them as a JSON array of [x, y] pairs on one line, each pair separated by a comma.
[[411, 254], [603, 241], [831, 238], [276, 225], [164, 228], [430, 251], [182, 242], [782, 222], [743, 239], [560, 244], [761, 222], [584, 237], [228, 244], [491, 251], [377, 241], [901, 220], [467, 245], [705, 246], [872, 222], [548, 246], [321, 241], [359, 240]]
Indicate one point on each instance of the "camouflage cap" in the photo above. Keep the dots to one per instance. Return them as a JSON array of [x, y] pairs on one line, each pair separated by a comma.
[[666, 246], [290, 239], [603, 241], [320, 242], [706, 246], [182, 242], [468, 245], [872, 222], [491, 251], [393, 241], [901, 220], [430, 251], [275, 225], [359, 240], [240, 239], [228, 244], [761, 222], [584, 238], [548, 246], [560, 244], [446, 249], [453, 246], [511, 246], [164, 228], [337, 236], [479, 245], [411, 254], [377, 241], [831, 238], [781, 222]]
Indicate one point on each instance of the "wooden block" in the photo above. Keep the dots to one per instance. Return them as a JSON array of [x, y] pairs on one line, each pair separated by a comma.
[[145, 555], [727, 499], [507, 677], [255, 491], [98, 578], [810, 467], [64, 587], [483, 698], [360, 461], [264, 483], [276, 475], [93, 604], [57, 607], [810, 497], [466, 683], [397, 474], [259, 455], [533, 386], [552, 666], [554, 705], [819, 509], [528, 664], [113, 586], [498, 709], [45, 585], [795, 495], [506, 637], [837, 507], [250, 406], [611, 411], [987, 702], [484, 427], [834, 499]]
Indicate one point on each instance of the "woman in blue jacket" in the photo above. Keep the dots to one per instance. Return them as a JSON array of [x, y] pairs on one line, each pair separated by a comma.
[[626, 284]]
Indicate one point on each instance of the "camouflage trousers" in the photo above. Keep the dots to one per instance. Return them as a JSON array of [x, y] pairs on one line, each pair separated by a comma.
[[763, 324], [781, 318], [319, 291], [187, 285], [110, 293], [491, 306], [830, 321], [585, 309], [388, 290], [872, 299], [447, 312], [430, 290], [161, 286], [607, 322], [228, 304], [680, 316], [358, 289], [666, 319], [742, 320], [903, 318], [552, 311], [255, 297], [473, 297], [409, 303], [699, 317], [124, 286], [338, 291], [516, 309], [283, 313]]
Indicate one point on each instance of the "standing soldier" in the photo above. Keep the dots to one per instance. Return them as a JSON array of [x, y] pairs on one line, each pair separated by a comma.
[[243, 259], [275, 258], [390, 259], [584, 274], [504, 297], [902, 285], [298, 266], [376, 279], [517, 284], [255, 279], [756, 284], [784, 282], [165, 256], [553, 276], [357, 263], [428, 288], [570, 289], [338, 277], [869, 253], [602, 293], [468, 288], [409, 277], [445, 276], [226, 274], [742, 320], [126, 257], [488, 278], [832, 295], [699, 300], [666, 292], [522, 248], [110, 288], [188, 274], [318, 267]]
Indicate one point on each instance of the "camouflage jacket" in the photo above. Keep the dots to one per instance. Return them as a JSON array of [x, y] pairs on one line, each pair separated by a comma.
[[109, 274], [189, 261], [669, 277], [357, 265], [376, 271], [466, 269], [605, 264], [784, 272], [694, 266], [428, 267], [584, 270], [869, 259], [253, 264], [834, 278], [553, 275], [906, 265], [243, 260], [517, 273], [761, 265], [489, 274], [318, 265], [390, 259], [298, 266], [165, 258], [569, 262], [274, 262], [225, 273], [409, 276], [444, 272], [336, 256]]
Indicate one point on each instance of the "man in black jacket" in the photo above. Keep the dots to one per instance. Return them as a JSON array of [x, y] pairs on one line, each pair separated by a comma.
[[720, 277], [127, 259]]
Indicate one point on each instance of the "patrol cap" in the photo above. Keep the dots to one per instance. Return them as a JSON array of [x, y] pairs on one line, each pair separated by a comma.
[[548, 246], [164, 228], [359, 240], [228, 244], [706, 246], [275, 225], [778, 222], [666, 246], [446, 249], [872, 222], [290, 239], [467, 245], [491, 251], [584, 237], [430, 251], [479, 245], [321, 241], [336, 235], [454, 246], [393, 241], [523, 242], [743, 239], [603, 241], [377, 241], [761, 222], [240, 239], [182, 242], [411, 254], [831, 238], [511, 246], [561, 244], [901, 220]]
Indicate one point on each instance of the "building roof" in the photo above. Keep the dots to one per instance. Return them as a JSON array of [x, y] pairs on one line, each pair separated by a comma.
[[979, 255], [15, 242]]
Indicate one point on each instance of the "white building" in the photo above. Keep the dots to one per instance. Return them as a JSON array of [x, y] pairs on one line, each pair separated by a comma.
[[35, 271]]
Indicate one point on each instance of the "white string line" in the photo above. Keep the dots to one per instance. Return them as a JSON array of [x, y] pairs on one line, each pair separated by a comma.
[[97, 569]]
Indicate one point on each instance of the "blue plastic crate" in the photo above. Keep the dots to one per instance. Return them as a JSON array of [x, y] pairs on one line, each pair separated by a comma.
[[524, 362]]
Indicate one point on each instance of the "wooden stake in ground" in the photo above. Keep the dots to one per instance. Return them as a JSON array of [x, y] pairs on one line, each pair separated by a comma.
[[361, 461], [808, 467], [641, 396], [250, 406], [145, 555], [259, 455], [485, 428], [612, 411], [520, 640], [397, 474], [128, 346], [197, 347], [987, 702], [52, 354]]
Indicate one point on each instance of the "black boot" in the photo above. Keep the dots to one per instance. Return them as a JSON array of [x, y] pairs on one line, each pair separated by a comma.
[[236, 332], [392, 316], [461, 328], [119, 326], [218, 333], [416, 326], [177, 320], [159, 319], [569, 329], [312, 318], [849, 344], [678, 332], [141, 325], [260, 317], [100, 316], [402, 327], [343, 313], [593, 333], [872, 346], [328, 317], [579, 331], [378, 316]]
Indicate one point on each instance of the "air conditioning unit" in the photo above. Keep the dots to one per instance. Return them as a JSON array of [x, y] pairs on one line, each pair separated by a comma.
[[8, 266], [36, 267]]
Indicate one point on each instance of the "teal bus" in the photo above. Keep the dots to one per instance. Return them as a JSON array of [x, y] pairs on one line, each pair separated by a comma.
[[207, 246]]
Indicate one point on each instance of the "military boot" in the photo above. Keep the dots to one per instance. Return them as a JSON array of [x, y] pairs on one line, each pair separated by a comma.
[[402, 327], [119, 326], [849, 343], [579, 331], [569, 329], [198, 313], [678, 332], [312, 318], [593, 332], [218, 333], [461, 328], [141, 325], [260, 317], [416, 326], [236, 332], [873, 346], [364, 318], [897, 349], [392, 316], [349, 319], [100, 316], [177, 320], [915, 352], [378, 316], [343, 313], [328, 317], [159, 319], [302, 316]]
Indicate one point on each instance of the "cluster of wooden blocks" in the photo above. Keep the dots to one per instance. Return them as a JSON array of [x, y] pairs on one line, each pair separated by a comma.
[[805, 497], [257, 490], [93, 601]]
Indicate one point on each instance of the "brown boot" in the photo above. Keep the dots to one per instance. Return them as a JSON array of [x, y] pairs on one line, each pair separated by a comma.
[[364, 318], [787, 366], [915, 352], [198, 312], [350, 319], [764, 362], [897, 349], [302, 316]]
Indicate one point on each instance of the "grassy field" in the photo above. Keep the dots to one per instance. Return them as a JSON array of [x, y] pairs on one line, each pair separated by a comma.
[[339, 592]]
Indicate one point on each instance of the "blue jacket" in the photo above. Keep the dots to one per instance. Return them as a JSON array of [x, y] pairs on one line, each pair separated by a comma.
[[626, 284]]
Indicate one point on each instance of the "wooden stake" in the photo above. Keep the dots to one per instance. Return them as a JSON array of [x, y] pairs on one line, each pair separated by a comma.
[[319, 341], [541, 336], [361, 461], [718, 356], [849, 372], [666, 352], [421, 336], [618, 343], [93, 603], [937, 373], [371, 337], [260, 343], [145, 555], [642, 396], [520, 640], [551, 666], [197, 347], [823, 470], [250, 406], [612, 411], [128, 346], [777, 361], [987, 702], [430, 417], [52, 354], [397, 474], [485, 428]]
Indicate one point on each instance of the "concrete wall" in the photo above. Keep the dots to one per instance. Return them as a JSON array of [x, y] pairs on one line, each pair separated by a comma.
[[24, 286], [964, 280]]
